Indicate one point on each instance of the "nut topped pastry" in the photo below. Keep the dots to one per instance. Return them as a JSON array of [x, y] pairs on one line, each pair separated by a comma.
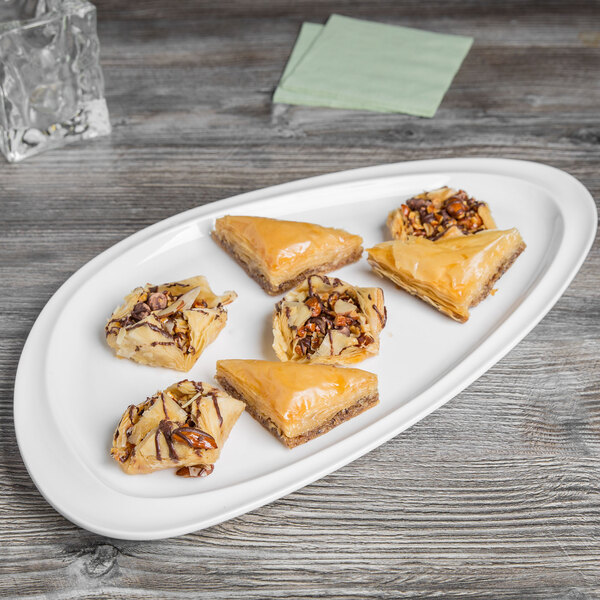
[[168, 325], [452, 274], [298, 402], [326, 320], [280, 254], [440, 214], [184, 426]]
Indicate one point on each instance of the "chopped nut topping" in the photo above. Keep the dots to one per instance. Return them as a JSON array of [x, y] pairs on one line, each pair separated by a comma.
[[325, 319], [432, 214], [157, 301], [197, 471], [140, 311]]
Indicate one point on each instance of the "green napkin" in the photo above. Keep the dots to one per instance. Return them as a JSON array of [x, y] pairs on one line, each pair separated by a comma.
[[349, 63], [308, 33]]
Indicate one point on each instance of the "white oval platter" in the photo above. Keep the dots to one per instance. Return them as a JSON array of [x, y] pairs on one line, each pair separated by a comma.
[[70, 390]]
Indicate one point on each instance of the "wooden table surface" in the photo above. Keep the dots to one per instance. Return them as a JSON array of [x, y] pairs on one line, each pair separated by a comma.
[[497, 494]]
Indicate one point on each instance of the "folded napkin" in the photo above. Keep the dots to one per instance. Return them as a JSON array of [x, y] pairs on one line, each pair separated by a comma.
[[349, 63]]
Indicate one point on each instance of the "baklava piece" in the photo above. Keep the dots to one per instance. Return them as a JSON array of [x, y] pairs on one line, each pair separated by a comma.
[[280, 254], [326, 320], [298, 402], [183, 427], [440, 214], [452, 274], [168, 325]]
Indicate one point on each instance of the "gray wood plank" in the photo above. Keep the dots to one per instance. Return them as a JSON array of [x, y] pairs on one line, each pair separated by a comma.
[[493, 496]]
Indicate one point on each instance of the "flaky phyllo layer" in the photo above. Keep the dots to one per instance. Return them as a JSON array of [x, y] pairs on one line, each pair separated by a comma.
[[326, 320], [279, 254], [440, 214], [295, 398], [184, 426], [168, 325], [453, 274]]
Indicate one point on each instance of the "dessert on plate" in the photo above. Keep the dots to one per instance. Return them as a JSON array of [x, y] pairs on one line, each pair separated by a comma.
[[168, 325], [452, 274], [280, 254], [440, 214], [327, 320], [297, 402], [182, 427]]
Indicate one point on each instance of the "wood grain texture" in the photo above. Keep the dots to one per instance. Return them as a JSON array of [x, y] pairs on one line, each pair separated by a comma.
[[495, 495]]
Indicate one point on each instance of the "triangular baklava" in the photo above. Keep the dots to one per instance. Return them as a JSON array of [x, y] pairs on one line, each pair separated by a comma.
[[440, 214], [452, 274], [182, 427], [298, 402], [168, 325], [326, 320], [280, 254]]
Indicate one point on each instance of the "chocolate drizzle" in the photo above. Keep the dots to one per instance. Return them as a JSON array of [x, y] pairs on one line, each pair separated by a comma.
[[165, 427], [216, 404], [195, 438], [382, 318], [151, 326]]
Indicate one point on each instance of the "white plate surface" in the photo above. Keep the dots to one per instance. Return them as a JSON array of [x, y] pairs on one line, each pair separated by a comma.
[[70, 390]]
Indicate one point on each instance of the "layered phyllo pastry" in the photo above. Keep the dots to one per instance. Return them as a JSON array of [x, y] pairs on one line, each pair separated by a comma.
[[168, 325], [326, 320], [452, 274], [280, 254], [440, 214], [297, 402], [183, 427]]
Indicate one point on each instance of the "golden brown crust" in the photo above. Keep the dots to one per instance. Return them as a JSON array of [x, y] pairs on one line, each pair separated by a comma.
[[452, 276], [255, 273], [346, 414], [485, 292]]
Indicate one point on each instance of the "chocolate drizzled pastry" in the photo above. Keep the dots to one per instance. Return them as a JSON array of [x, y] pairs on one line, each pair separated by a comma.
[[326, 320], [440, 214], [182, 427], [168, 325]]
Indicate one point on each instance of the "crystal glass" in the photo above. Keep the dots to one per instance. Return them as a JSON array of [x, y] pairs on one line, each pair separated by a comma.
[[51, 84]]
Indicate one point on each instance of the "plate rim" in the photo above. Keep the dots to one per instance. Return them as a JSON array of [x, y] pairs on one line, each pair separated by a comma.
[[498, 166]]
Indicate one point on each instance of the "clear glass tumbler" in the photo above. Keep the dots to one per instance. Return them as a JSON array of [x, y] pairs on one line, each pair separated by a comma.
[[51, 84]]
